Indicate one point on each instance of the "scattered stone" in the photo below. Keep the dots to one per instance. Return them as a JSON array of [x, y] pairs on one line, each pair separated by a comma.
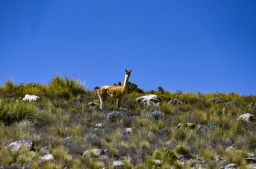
[[68, 139], [188, 125], [247, 117], [128, 131], [149, 100], [156, 162], [231, 166], [203, 128], [229, 149], [15, 146], [47, 157], [251, 154], [99, 125], [94, 153], [30, 98], [250, 160], [118, 165], [90, 136], [208, 127]]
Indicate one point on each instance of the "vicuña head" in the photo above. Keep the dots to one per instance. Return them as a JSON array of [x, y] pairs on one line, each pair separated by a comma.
[[116, 92]]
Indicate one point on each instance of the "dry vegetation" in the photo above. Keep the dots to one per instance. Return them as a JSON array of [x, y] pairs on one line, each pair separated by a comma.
[[61, 123]]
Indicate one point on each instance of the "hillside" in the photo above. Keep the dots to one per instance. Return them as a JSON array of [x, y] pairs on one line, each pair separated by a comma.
[[66, 129]]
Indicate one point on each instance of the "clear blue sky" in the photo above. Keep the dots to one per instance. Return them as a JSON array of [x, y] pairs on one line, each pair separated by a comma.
[[187, 45]]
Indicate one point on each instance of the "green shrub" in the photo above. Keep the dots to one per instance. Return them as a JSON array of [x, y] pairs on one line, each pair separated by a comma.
[[11, 111], [182, 149], [166, 108], [64, 88], [166, 157], [208, 154], [113, 116], [156, 115]]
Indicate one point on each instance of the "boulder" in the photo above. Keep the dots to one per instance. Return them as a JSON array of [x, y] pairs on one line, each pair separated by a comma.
[[247, 117], [128, 131], [186, 125], [118, 165], [15, 146], [47, 157], [99, 125], [231, 166], [157, 162], [149, 100], [30, 97]]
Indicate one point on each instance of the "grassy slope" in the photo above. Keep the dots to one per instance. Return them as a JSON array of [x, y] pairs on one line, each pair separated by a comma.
[[63, 112]]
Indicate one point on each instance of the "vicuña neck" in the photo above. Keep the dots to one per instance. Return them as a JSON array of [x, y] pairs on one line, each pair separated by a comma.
[[126, 81]]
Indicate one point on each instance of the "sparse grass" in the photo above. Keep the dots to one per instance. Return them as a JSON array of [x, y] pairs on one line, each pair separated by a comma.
[[62, 113]]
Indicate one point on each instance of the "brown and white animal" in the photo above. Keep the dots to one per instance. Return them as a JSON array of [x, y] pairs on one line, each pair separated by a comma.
[[116, 92]]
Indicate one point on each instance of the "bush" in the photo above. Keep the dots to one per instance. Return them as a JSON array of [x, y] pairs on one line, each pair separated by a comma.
[[182, 150], [156, 115], [167, 158], [65, 88], [166, 108], [11, 111], [113, 116]]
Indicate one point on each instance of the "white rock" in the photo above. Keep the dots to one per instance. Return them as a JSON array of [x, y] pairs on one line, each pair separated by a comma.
[[47, 157], [118, 164], [94, 153], [149, 100], [231, 166], [247, 117], [189, 125], [99, 125], [157, 162], [128, 131], [15, 146], [30, 98]]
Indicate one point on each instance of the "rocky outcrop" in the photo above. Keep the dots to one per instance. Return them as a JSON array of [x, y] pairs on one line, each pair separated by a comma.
[[47, 157], [30, 98], [247, 117], [15, 146], [231, 166], [149, 100], [118, 165]]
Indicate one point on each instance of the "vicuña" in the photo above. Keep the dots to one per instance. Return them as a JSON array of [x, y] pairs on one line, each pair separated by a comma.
[[116, 92]]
